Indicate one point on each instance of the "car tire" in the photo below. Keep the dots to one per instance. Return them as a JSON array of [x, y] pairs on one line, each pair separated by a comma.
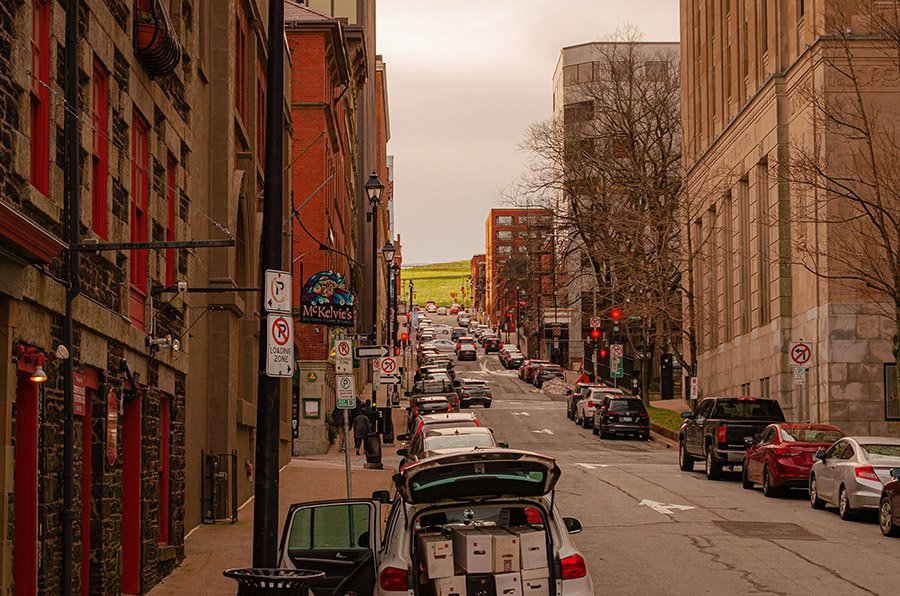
[[685, 461], [886, 518], [595, 429], [844, 510], [713, 468], [814, 501], [585, 423], [645, 436], [767, 488], [745, 478], [487, 405]]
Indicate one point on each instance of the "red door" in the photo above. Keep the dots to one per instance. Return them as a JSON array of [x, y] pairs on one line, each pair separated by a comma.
[[131, 497], [25, 485]]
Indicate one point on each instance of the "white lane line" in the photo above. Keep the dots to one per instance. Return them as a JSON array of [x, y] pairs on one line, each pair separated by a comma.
[[545, 431], [520, 414], [592, 466], [665, 509]]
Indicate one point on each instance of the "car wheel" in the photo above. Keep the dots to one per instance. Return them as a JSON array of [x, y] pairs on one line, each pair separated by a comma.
[[814, 501], [844, 509], [487, 405], [713, 468], [585, 423], [768, 490], [886, 518], [745, 478], [685, 461], [645, 436]]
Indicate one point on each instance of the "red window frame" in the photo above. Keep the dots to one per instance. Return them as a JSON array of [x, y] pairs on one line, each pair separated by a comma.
[[163, 470], [140, 187], [100, 150], [171, 195], [40, 96], [240, 61]]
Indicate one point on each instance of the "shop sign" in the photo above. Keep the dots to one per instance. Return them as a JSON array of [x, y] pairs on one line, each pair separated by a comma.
[[326, 300], [78, 393], [112, 426]]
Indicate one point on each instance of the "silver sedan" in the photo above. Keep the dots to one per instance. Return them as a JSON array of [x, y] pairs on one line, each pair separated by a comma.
[[851, 473]]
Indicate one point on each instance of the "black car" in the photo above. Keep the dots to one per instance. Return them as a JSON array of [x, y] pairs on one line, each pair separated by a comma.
[[456, 333], [467, 352], [622, 415], [547, 372], [491, 344]]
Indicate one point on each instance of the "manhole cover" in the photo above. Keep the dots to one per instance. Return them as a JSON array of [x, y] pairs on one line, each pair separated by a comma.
[[770, 530]]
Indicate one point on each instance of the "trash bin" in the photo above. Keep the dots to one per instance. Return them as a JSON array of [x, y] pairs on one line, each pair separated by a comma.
[[373, 451], [273, 582]]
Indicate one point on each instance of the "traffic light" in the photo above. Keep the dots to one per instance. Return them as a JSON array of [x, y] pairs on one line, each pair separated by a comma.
[[603, 353], [404, 336], [396, 351], [595, 333], [615, 314]]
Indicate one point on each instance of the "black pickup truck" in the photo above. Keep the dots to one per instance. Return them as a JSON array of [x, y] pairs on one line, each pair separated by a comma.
[[721, 428]]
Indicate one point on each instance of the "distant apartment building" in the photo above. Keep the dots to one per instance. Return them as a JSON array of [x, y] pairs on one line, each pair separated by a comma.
[[580, 70], [749, 73]]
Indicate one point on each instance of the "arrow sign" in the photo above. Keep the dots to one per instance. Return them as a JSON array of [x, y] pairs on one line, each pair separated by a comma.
[[545, 431], [371, 352], [666, 509]]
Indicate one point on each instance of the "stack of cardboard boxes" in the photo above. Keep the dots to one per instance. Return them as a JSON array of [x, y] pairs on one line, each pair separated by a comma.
[[486, 561]]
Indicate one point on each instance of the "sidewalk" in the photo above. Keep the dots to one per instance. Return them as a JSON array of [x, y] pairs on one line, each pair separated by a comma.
[[211, 549]]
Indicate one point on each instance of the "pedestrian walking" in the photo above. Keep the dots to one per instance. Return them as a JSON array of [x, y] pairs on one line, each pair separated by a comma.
[[337, 419], [362, 426]]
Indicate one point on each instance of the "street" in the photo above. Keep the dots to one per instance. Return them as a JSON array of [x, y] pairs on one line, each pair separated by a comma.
[[722, 539]]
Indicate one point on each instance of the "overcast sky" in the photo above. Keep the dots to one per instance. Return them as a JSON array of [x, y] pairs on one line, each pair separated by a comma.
[[465, 79]]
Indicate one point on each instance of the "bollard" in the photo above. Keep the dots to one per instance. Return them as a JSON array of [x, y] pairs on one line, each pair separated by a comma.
[[387, 425], [373, 451]]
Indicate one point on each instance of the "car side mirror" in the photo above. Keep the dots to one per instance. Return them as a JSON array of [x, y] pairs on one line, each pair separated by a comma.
[[895, 473], [408, 409], [503, 445], [573, 526], [687, 415], [403, 437], [820, 455], [568, 392], [756, 438], [382, 496], [407, 393], [403, 452]]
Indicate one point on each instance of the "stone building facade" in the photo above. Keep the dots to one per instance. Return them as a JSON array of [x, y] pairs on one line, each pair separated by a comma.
[[749, 73], [169, 144]]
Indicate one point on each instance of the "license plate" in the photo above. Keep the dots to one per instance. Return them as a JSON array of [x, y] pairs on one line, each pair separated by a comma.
[[626, 419], [735, 457]]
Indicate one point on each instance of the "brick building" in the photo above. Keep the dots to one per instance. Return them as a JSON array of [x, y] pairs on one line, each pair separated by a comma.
[[749, 71], [478, 281], [170, 136]]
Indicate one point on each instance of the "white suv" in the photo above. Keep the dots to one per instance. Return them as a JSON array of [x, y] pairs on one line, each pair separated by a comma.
[[495, 490]]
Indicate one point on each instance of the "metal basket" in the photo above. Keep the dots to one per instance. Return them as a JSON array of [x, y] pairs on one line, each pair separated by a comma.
[[282, 582]]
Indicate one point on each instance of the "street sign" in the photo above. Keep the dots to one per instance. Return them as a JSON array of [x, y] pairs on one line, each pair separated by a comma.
[[557, 330], [388, 367], [801, 353], [346, 392], [695, 388], [343, 357], [596, 321], [280, 346], [615, 361], [390, 379], [617, 350], [278, 291], [371, 352], [555, 343], [799, 376]]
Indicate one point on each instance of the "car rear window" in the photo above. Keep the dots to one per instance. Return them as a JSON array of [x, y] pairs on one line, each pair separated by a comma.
[[460, 441], [879, 451], [553, 368], [626, 405], [810, 435], [747, 409], [439, 406]]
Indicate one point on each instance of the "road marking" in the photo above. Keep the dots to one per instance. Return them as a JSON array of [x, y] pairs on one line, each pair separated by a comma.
[[520, 414], [666, 509], [545, 431], [592, 466]]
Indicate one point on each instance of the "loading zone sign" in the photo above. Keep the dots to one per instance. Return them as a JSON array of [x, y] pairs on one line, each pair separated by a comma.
[[280, 346]]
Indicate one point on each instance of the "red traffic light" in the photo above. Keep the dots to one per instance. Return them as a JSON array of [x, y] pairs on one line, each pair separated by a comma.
[[603, 353], [404, 337], [616, 314], [396, 351], [595, 333]]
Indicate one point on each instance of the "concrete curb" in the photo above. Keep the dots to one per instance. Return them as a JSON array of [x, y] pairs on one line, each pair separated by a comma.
[[664, 432]]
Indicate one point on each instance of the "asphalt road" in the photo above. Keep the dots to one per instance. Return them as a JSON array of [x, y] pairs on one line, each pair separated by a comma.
[[718, 539]]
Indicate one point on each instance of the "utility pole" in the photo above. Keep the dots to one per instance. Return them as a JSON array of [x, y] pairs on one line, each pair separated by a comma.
[[268, 410], [73, 264]]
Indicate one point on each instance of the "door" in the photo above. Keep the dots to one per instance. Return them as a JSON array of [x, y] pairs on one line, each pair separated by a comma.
[[756, 455], [826, 473], [131, 497], [90, 383], [25, 485], [338, 538], [693, 432]]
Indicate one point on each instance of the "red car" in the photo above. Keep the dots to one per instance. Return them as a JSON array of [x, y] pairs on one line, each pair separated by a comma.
[[889, 506], [782, 455]]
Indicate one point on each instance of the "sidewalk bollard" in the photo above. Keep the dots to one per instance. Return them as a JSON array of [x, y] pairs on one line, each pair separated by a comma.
[[387, 425], [373, 452]]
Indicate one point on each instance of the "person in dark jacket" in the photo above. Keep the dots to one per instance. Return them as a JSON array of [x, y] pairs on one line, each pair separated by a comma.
[[337, 419], [361, 427]]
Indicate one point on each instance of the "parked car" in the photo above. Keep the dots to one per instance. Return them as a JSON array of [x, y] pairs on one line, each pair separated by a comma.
[[531, 368], [889, 506], [467, 352], [449, 419], [428, 404], [514, 360], [463, 318], [454, 309], [438, 441], [441, 345], [587, 405], [442, 311], [456, 333], [621, 415], [782, 455], [491, 344], [474, 391], [465, 340], [547, 372], [574, 396], [721, 429], [852, 473], [490, 487]]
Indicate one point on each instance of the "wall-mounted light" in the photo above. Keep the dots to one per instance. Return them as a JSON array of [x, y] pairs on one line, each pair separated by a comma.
[[39, 376], [35, 357]]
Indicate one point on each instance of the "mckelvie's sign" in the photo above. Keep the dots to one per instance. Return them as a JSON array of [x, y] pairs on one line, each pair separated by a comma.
[[326, 300]]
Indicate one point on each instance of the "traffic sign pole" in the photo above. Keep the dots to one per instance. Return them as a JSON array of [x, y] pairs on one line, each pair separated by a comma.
[[347, 453]]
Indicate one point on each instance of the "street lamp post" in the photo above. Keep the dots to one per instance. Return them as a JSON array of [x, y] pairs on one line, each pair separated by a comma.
[[395, 268], [374, 188]]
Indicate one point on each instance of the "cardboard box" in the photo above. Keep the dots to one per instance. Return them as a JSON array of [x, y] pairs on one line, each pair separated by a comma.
[[533, 546], [472, 550], [508, 584], [505, 546], [436, 552], [450, 586], [536, 587], [480, 584], [539, 573]]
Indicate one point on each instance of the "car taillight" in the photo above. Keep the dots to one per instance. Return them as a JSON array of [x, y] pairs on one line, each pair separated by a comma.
[[590, 404], [720, 434], [785, 451], [866, 473], [416, 411], [573, 567], [394, 579], [465, 394], [499, 345], [533, 515], [489, 394]]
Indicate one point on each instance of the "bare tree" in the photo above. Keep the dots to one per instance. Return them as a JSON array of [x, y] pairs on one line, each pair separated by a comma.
[[850, 172]]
